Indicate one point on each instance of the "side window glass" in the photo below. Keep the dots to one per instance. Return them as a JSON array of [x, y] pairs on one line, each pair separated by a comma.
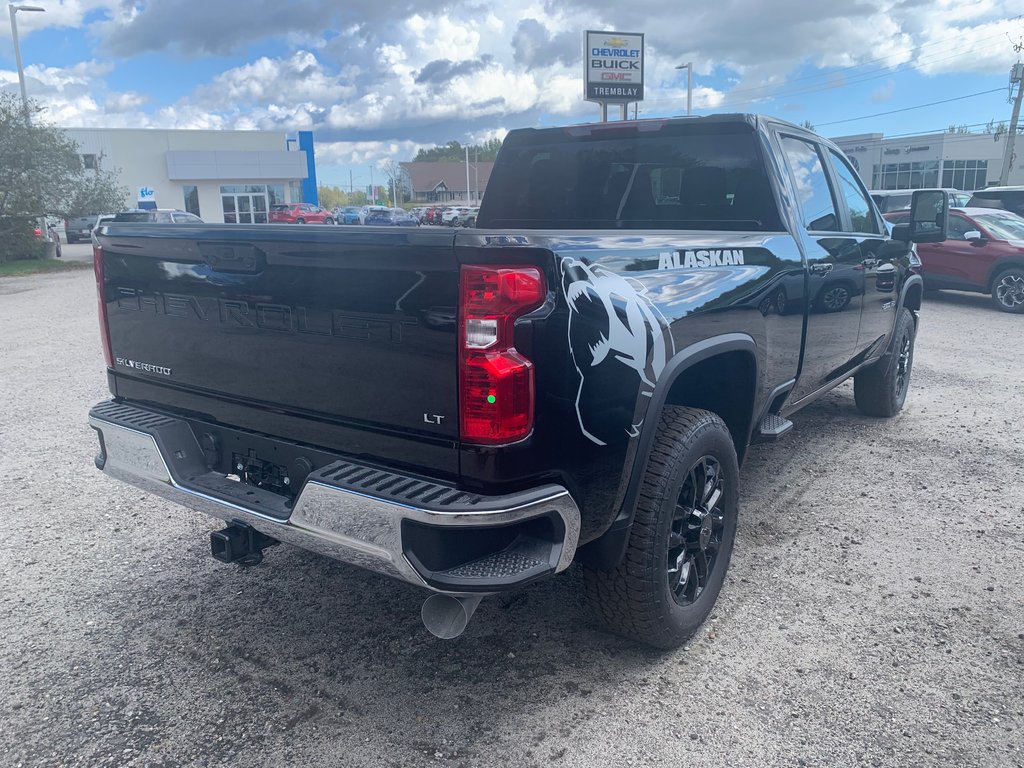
[[812, 190], [958, 226], [862, 218]]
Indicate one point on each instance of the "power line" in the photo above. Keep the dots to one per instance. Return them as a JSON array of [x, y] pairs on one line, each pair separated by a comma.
[[908, 109], [867, 76], [966, 49]]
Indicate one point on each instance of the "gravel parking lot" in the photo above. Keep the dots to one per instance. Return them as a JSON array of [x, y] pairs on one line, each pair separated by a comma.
[[874, 614]]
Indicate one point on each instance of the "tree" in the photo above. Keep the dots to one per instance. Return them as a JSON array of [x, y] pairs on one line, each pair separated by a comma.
[[398, 181], [996, 129], [331, 196], [958, 129], [807, 124], [454, 152], [41, 173]]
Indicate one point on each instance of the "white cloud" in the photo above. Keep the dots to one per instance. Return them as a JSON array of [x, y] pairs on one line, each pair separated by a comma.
[[378, 79]]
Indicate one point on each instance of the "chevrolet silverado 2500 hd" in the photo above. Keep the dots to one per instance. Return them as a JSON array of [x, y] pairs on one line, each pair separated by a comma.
[[577, 379]]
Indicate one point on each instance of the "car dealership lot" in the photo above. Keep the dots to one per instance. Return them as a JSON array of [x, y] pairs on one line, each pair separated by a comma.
[[874, 613]]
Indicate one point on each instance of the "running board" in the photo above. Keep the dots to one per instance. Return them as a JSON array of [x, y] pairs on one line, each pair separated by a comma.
[[772, 428]]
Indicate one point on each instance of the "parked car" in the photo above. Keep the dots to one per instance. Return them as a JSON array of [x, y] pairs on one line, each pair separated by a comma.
[[457, 217], [391, 217], [889, 200], [299, 213], [984, 253], [433, 215], [367, 209], [156, 215], [1008, 198], [51, 235], [103, 218], [347, 215], [79, 227]]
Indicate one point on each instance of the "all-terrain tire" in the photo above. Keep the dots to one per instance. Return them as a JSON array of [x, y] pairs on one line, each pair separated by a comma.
[[640, 598], [881, 389]]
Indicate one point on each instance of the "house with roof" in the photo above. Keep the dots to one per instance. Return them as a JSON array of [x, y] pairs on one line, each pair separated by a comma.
[[445, 182]]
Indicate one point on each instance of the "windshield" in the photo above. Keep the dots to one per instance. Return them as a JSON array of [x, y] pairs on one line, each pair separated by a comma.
[[706, 176], [1005, 226]]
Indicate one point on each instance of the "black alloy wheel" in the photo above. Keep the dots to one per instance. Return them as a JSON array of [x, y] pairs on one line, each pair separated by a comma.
[[681, 537], [698, 527], [300, 220]]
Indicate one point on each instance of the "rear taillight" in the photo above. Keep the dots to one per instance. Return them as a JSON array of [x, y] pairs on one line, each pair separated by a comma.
[[495, 380], [101, 302]]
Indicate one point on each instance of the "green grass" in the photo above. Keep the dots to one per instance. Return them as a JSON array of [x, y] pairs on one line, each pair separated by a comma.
[[36, 266]]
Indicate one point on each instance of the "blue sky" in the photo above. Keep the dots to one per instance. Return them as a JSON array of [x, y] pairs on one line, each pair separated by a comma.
[[375, 82]]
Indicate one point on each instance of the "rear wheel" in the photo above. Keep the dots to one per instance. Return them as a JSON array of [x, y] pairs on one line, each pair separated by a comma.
[[300, 220], [881, 389], [328, 220], [1008, 290], [682, 534]]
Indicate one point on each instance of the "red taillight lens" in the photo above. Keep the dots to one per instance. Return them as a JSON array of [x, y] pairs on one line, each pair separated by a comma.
[[496, 381], [101, 301]]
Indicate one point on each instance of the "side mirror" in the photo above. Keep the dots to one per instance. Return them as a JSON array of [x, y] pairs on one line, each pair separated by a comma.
[[974, 235], [929, 216]]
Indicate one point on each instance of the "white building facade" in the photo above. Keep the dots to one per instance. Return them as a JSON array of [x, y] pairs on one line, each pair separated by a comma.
[[962, 161], [221, 176]]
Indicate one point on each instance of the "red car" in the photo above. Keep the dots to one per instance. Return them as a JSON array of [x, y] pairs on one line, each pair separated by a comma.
[[299, 213], [984, 253]]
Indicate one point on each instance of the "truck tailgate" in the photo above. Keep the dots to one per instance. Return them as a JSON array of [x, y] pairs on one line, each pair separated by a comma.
[[347, 326]]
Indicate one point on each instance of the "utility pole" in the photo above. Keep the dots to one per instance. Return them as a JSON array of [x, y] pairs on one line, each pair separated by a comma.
[[476, 174], [467, 174], [1016, 78], [373, 192], [688, 66], [17, 50], [351, 189]]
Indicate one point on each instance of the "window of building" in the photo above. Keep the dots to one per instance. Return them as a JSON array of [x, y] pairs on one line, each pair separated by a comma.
[[965, 174], [909, 175], [861, 217], [191, 192], [89, 162], [245, 203], [812, 190], [294, 192]]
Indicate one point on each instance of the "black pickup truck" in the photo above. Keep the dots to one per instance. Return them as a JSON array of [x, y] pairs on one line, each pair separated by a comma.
[[577, 379]]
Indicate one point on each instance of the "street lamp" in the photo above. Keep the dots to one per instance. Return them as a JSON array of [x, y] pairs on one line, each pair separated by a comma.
[[17, 49], [688, 66]]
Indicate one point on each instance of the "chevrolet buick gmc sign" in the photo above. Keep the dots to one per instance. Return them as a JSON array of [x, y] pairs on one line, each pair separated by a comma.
[[614, 67]]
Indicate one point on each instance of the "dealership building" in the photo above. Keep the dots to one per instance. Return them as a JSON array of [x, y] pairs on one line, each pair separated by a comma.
[[221, 176], [962, 161]]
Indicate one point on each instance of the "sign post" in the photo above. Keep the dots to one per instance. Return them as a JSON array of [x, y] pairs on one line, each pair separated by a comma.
[[614, 70]]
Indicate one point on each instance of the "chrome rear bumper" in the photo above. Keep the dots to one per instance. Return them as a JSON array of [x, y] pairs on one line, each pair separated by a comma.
[[347, 511]]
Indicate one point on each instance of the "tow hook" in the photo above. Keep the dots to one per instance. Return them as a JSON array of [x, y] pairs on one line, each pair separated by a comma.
[[240, 543]]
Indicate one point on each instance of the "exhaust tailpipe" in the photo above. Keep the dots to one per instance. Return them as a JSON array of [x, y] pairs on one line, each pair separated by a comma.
[[446, 616]]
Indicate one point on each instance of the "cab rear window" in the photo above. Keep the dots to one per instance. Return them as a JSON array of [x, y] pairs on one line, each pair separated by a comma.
[[686, 177]]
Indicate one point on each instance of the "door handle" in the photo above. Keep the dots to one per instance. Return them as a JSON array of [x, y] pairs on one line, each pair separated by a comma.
[[821, 269]]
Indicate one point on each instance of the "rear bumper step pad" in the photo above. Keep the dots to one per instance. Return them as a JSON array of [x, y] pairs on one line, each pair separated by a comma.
[[345, 510]]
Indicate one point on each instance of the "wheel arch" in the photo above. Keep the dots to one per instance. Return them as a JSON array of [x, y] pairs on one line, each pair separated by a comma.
[[1001, 266], [719, 374]]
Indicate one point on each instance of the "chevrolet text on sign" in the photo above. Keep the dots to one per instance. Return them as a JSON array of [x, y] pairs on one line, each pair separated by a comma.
[[614, 66]]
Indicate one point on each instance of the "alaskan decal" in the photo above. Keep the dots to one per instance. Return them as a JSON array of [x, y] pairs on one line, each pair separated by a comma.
[[619, 342], [699, 259]]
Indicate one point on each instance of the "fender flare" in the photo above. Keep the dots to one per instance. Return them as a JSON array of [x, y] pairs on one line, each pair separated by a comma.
[[607, 550], [999, 266]]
